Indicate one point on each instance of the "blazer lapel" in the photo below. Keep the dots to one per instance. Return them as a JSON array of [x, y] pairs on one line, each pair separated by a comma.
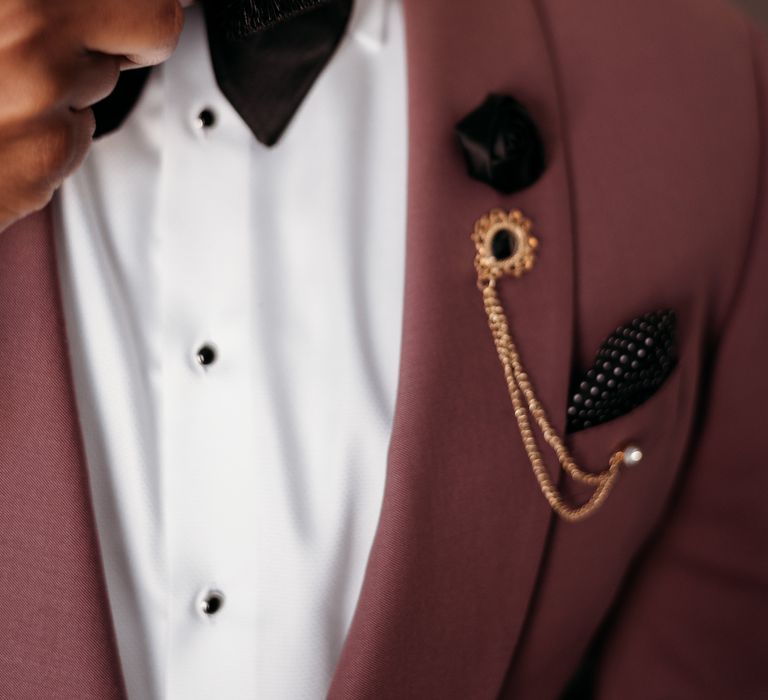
[[463, 525], [56, 638]]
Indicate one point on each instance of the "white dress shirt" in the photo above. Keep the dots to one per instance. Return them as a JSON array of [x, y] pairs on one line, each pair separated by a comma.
[[183, 241]]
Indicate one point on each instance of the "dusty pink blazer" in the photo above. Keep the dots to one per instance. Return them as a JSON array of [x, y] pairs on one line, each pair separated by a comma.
[[656, 196]]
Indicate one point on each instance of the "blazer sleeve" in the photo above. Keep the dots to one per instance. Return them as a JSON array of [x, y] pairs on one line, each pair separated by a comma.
[[694, 622]]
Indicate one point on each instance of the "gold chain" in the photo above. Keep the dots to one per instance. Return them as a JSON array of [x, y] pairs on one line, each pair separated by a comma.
[[524, 400]]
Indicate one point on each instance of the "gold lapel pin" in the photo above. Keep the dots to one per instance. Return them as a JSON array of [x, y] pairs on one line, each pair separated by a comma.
[[505, 246]]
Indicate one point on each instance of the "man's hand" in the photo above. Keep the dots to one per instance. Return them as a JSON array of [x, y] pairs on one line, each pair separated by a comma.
[[57, 58]]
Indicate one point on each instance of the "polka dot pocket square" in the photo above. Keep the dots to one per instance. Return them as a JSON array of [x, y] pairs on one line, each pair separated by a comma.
[[631, 365]]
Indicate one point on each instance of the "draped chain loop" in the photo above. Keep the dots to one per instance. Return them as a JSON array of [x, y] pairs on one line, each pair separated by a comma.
[[522, 247]]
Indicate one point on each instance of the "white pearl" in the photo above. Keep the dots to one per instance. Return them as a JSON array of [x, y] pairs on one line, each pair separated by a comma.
[[633, 455]]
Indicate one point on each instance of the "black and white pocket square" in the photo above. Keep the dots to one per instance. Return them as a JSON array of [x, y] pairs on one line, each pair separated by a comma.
[[631, 365]]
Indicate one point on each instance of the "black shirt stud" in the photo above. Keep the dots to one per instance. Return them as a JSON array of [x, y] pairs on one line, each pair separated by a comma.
[[502, 145]]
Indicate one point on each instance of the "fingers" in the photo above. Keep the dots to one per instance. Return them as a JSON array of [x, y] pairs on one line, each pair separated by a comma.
[[145, 32], [94, 78], [57, 58], [81, 125], [48, 152], [43, 85]]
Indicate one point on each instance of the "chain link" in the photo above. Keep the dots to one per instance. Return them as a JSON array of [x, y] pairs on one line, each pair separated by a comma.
[[526, 404]]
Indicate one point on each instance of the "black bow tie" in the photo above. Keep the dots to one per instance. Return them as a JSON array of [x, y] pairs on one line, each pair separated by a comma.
[[266, 55]]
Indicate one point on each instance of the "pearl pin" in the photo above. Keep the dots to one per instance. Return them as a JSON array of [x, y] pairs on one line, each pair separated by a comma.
[[633, 455]]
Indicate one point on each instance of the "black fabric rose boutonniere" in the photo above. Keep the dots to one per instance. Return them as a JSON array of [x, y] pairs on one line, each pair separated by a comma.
[[502, 144]]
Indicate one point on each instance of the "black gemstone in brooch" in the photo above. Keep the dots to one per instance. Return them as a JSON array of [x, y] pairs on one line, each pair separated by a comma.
[[504, 245]]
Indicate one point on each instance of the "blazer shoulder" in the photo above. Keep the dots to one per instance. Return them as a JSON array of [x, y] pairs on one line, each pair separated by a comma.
[[662, 102], [708, 22], [699, 37]]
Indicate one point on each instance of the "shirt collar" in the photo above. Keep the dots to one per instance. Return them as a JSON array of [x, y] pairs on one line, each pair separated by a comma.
[[369, 22]]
